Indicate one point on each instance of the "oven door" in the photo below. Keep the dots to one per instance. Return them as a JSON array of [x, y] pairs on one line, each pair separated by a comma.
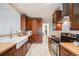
[[54, 48]]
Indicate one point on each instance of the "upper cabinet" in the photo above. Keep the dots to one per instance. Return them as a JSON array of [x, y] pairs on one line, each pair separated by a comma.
[[29, 23], [72, 10], [66, 9], [23, 22], [57, 17]]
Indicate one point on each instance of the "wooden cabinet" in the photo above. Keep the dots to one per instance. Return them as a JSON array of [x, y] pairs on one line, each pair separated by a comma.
[[57, 17], [23, 22], [66, 9], [36, 30], [35, 25], [74, 16], [10, 52], [29, 24], [72, 10], [22, 51], [64, 52], [19, 52]]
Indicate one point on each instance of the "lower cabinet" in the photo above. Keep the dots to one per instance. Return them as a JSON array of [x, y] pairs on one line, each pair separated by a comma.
[[22, 51], [64, 52]]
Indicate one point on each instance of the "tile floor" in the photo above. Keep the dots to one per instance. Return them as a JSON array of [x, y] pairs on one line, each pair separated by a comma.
[[39, 49]]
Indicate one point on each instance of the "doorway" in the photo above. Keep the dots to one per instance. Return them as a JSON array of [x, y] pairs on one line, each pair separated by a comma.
[[45, 30]]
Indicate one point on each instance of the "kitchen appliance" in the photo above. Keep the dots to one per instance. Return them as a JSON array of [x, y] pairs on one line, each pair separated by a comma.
[[65, 37], [68, 37], [55, 45]]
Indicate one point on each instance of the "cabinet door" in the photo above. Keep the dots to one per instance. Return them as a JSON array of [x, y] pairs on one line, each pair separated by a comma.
[[23, 22], [74, 16], [76, 13], [66, 9], [19, 52], [37, 31], [29, 24], [24, 49]]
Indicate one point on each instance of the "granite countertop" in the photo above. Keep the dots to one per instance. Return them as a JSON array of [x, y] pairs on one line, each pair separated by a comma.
[[5, 46], [69, 46]]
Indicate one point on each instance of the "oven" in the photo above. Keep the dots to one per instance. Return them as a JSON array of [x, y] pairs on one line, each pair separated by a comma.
[[54, 48]]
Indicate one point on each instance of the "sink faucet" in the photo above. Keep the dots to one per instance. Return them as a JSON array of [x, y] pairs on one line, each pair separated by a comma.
[[11, 34]]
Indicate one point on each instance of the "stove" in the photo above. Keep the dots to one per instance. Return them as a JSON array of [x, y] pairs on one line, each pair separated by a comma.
[[55, 45]]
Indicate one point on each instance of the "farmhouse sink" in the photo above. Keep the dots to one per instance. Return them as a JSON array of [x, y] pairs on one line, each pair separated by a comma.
[[18, 40]]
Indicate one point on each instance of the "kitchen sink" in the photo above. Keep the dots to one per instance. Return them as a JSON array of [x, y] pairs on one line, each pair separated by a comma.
[[18, 40]]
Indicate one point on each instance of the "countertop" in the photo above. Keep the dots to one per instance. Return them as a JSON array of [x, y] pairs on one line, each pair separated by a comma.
[[5, 46], [71, 47]]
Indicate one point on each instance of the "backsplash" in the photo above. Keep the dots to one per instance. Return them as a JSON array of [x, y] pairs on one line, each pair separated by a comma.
[[58, 33]]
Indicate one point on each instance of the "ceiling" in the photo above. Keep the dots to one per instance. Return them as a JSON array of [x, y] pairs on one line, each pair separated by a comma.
[[44, 10]]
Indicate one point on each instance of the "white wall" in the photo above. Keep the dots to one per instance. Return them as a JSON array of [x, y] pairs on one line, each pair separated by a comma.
[[9, 19]]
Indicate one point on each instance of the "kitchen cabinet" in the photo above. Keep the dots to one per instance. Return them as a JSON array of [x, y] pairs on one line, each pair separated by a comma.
[[37, 30], [64, 52], [22, 51], [35, 25], [74, 16], [29, 24], [57, 17], [72, 10], [24, 47], [23, 22], [19, 52], [66, 9]]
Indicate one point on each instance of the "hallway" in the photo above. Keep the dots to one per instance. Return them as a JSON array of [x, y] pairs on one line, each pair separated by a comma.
[[39, 49]]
